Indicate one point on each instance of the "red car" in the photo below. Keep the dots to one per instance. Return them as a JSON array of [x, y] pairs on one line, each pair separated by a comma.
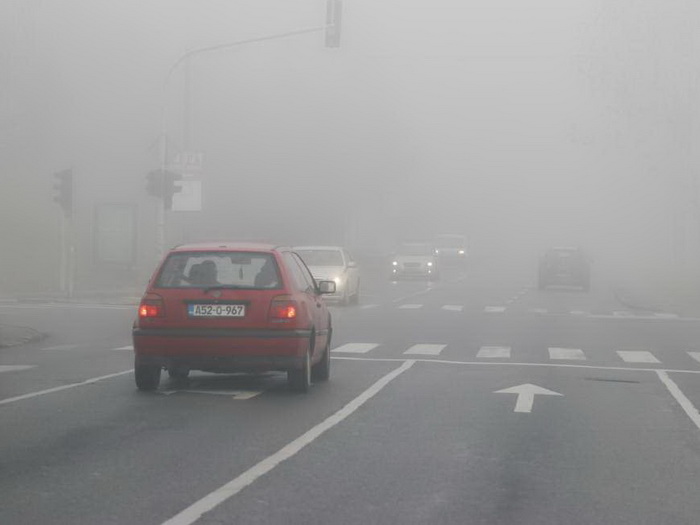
[[231, 307]]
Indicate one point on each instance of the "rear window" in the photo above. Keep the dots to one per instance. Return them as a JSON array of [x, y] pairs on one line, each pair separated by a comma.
[[246, 270], [321, 257]]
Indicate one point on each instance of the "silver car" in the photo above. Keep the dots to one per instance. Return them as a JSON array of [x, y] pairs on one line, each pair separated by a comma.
[[415, 260], [333, 263]]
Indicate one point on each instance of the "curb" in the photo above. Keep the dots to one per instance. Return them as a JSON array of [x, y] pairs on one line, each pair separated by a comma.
[[630, 303], [18, 335]]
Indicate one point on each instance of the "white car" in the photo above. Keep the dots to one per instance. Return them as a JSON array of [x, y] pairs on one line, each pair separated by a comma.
[[415, 260], [451, 248], [333, 263]]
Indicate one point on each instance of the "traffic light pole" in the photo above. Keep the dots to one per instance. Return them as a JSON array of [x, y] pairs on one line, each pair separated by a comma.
[[332, 29]]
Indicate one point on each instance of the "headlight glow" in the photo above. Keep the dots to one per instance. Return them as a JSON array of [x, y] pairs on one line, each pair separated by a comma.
[[430, 263], [461, 252], [395, 263]]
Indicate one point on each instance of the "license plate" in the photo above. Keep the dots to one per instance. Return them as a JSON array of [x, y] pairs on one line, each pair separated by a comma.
[[216, 310]]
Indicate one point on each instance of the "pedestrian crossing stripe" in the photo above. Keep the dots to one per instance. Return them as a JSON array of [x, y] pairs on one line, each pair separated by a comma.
[[566, 353], [356, 348], [638, 356], [410, 306], [453, 307], [494, 309], [15, 368], [695, 355], [425, 349], [494, 352]]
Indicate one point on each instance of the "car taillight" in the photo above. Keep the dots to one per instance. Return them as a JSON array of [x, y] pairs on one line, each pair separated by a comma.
[[283, 308], [151, 306]]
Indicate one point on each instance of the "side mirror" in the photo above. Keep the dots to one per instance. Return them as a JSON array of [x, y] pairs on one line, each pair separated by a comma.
[[352, 264], [326, 287]]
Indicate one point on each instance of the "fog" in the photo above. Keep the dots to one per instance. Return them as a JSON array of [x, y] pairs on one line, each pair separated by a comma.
[[522, 125]]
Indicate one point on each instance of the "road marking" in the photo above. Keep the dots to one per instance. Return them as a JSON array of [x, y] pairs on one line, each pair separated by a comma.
[[425, 349], [579, 312], [410, 306], [678, 394], [666, 316], [515, 364], [356, 348], [195, 511], [415, 294], [567, 353], [237, 395], [639, 356], [128, 347], [60, 347], [623, 313], [490, 352], [494, 309], [453, 307], [15, 368], [540, 311], [526, 396], [368, 306], [695, 355], [63, 387]]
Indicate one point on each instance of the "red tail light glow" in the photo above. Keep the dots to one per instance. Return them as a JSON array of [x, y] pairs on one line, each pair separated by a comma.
[[151, 306], [283, 308]]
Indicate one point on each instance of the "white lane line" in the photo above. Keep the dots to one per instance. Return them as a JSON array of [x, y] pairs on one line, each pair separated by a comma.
[[637, 356], [539, 311], [567, 353], [425, 349], [494, 309], [623, 313], [128, 347], [453, 307], [695, 355], [15, 368], [63, 387], [666, 316], [579, 312], [494, 352], [410, 306], [195, 511], [679, 396], [356, 348], [368, 306]]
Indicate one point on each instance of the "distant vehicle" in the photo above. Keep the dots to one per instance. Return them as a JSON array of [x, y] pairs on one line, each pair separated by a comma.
[[333, 263], [564, 266], [451, 247], [233, 308], [415, 260]]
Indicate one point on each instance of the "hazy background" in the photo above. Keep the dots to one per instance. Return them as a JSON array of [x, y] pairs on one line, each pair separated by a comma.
[[520, 124]]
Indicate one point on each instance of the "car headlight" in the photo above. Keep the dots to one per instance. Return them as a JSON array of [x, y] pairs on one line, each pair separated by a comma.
[[437, 252], [461, 252], [430, 263], [395, 263], [337, 280]]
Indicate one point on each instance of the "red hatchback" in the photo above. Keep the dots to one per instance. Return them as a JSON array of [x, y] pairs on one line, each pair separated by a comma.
[[233, 308]]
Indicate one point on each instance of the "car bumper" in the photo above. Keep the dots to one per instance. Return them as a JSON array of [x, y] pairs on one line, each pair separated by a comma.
[[220, 350]]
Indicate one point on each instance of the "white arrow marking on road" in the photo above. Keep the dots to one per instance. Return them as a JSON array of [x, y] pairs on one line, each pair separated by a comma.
[[526, 395]]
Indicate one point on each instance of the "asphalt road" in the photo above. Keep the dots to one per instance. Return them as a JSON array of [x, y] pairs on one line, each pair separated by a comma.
[[477, 399]]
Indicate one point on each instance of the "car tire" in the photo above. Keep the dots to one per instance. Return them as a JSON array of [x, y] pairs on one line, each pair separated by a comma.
[[147, 377], [321, 371], [299, 379], [178, 372]]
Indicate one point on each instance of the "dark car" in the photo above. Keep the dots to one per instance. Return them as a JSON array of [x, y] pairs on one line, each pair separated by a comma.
[[233, 308], [564, 267]]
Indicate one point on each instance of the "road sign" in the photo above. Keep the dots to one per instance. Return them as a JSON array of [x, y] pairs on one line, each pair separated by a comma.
[[189, 198], [188, 162]]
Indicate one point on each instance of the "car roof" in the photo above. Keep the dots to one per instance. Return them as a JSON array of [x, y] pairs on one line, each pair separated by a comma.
[[318, 248], [226, 246]]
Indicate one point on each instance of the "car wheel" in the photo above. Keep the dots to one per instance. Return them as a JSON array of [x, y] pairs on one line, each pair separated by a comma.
[[299, 379], [147, 377], [355, 299], [321, 371], [178, 372]]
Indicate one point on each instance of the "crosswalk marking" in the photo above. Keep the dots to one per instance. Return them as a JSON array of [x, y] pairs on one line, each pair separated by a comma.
[[128, 347], [500, 352], [368, 306], [578, 312], [494, 309], [540, 311], [453, 307], [639, 356], [410, 306], [425, 349], [566, 353], [695, 355], [356, 348], [14, 368], [666, 316]]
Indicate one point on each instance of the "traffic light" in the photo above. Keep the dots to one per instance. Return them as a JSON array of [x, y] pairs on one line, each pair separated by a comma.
[[64, 191], [334, 15], [161, 184]]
